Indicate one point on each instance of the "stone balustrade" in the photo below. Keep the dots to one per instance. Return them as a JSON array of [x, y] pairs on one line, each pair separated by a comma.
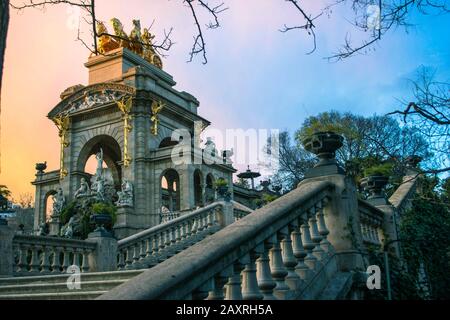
[[147, 248], [371, 223], [45, 255], [272, 253]]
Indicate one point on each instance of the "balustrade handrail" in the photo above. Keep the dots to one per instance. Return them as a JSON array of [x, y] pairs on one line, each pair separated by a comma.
[[53, 241], [153, 230], [177, 278], [369, 208], [404, 192]]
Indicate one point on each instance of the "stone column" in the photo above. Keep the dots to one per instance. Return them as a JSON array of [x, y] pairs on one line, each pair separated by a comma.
[[6, 249], [186, 186], [39, 203]]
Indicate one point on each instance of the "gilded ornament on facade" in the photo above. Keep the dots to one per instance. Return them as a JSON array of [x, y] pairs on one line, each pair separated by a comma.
[[62, 122], [139, 42], [125, 107], [156, 107]]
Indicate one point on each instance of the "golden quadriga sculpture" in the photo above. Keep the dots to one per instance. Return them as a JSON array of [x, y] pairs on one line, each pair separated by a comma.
[[138, 42]]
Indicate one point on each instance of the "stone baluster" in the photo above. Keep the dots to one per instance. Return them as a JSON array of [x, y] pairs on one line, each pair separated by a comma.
[[310, 260], [161, 240], [178, 229], [183, 230], [315, 236], [23, 255], [136, 252], [210, 214], [85, 260], [193, 226], [76, 257], [155, 245], [220, 281], [277, 268], [299, 252], [265, 282], [250, 289], [66, 260], [120, 260], [142, 245], [289, 260], [167, 237], [129, 258], [323, 230], [233, 286], [148, 247], [35, 263], [45, 261], [56, 265]]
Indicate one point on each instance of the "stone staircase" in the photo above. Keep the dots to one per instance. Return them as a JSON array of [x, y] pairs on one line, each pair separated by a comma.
[[54, 287]]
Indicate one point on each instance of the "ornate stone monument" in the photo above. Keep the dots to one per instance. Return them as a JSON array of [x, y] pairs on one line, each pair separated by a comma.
[[125, 116]]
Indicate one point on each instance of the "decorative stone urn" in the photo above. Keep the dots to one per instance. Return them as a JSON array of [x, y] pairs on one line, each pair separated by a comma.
[[324, 144], [40, 167], [375, 185], [101, 221]]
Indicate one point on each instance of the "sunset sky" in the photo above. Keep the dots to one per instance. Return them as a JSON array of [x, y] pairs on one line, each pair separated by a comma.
[[256, 76]]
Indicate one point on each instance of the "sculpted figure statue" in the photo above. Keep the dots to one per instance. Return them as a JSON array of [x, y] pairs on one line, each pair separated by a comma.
[[100, 189], [136, 38], [149, 52], [105, 43], [126, 195], [122, 37], [99, 157], [84, 189], [68, 230], [58, 202]]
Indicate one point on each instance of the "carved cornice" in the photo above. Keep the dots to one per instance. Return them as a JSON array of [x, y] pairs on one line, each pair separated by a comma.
[[92, 96]]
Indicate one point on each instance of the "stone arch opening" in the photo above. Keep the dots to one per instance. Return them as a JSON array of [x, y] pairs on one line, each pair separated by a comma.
[[209, 188], [112, 155], [48, 205], [170, 190], [198, 188]]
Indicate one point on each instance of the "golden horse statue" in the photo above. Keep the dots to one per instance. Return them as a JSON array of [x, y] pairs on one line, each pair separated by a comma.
[[105, 42], [149, 52], [121, 36], [136, 38]]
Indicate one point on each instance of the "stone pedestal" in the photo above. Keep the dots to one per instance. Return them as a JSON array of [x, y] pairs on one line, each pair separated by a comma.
[[125, 224], [104, 257], [6, 250], [342, 217], [226, 214], [54, 226]]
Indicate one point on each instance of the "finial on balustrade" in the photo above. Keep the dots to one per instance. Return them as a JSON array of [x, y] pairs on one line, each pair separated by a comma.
[[374, 185], [324, 145]]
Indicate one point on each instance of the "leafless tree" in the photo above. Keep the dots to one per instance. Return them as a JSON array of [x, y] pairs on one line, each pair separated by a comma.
[[374, 18], [430, 112], [25, 200], [90, 18]]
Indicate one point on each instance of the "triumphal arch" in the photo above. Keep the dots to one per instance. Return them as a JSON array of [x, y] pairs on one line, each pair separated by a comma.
[[126, 115]]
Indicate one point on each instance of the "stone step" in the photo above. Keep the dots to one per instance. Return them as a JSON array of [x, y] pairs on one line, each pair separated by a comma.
[[33, 288], [60, 278], [83, 295]]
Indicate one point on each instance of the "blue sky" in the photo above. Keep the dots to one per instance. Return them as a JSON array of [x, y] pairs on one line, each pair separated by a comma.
[[256, 77]]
